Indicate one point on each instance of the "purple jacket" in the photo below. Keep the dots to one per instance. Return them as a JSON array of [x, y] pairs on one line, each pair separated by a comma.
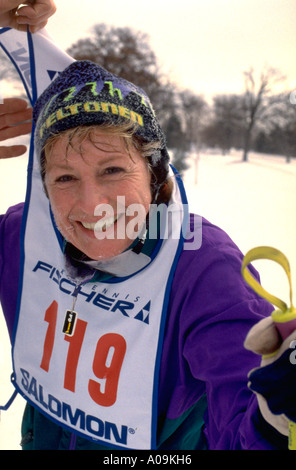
[[211, 310]]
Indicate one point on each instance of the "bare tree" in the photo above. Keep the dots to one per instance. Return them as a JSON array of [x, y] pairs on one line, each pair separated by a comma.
[[255, 104], [279, 135], [193, 109], [224, 129], [127, 53]]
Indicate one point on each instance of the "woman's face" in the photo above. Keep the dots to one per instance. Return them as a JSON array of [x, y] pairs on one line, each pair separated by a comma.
[[100, 194]]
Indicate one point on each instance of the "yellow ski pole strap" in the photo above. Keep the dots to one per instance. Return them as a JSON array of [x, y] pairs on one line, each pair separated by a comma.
[[269, 253], [285, 317]]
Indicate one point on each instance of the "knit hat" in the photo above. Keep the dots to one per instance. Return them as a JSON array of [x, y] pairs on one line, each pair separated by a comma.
[[87, 94]]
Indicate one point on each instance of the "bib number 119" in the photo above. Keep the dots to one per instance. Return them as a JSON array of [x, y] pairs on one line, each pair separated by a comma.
[[107, 362]]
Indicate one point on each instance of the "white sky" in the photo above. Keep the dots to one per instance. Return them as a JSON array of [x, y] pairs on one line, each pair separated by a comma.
[[204, 45]]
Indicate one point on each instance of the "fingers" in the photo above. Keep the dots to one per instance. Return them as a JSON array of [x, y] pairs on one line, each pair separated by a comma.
[[8, 11], [14, 115], [12, 105], [7, 5], [35, 15], [12, 151], [37, 10], [15, 120], [15, 131]]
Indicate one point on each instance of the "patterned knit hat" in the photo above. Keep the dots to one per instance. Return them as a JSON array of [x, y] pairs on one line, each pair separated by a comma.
[[86, 94]]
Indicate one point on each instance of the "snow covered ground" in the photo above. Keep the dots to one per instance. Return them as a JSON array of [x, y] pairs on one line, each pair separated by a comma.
[[254, 202]]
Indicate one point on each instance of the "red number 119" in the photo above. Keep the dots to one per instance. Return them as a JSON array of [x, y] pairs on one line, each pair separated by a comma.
[[107, 361]]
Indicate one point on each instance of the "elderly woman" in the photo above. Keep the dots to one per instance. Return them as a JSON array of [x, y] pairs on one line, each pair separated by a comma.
[[129, 331]]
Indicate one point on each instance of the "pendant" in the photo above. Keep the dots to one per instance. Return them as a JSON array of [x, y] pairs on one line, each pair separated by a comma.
[[69, 322]]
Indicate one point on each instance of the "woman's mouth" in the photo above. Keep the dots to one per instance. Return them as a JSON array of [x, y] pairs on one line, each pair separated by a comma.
[[101, 225]]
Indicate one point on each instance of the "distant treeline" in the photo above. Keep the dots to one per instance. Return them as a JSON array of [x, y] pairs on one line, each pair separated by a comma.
[[258, 119]]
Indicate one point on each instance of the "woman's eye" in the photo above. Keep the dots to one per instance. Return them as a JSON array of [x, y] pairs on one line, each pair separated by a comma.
[[113, 170], [64, 179]]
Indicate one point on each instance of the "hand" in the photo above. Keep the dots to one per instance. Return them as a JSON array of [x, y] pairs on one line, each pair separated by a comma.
[[274, 382], [34, 13], [13, 116]]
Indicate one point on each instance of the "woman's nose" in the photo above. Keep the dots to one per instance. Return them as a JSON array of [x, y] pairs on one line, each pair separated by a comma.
[[91, 194]]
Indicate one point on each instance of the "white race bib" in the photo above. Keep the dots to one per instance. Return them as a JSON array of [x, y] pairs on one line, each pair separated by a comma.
[[94, 370]]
